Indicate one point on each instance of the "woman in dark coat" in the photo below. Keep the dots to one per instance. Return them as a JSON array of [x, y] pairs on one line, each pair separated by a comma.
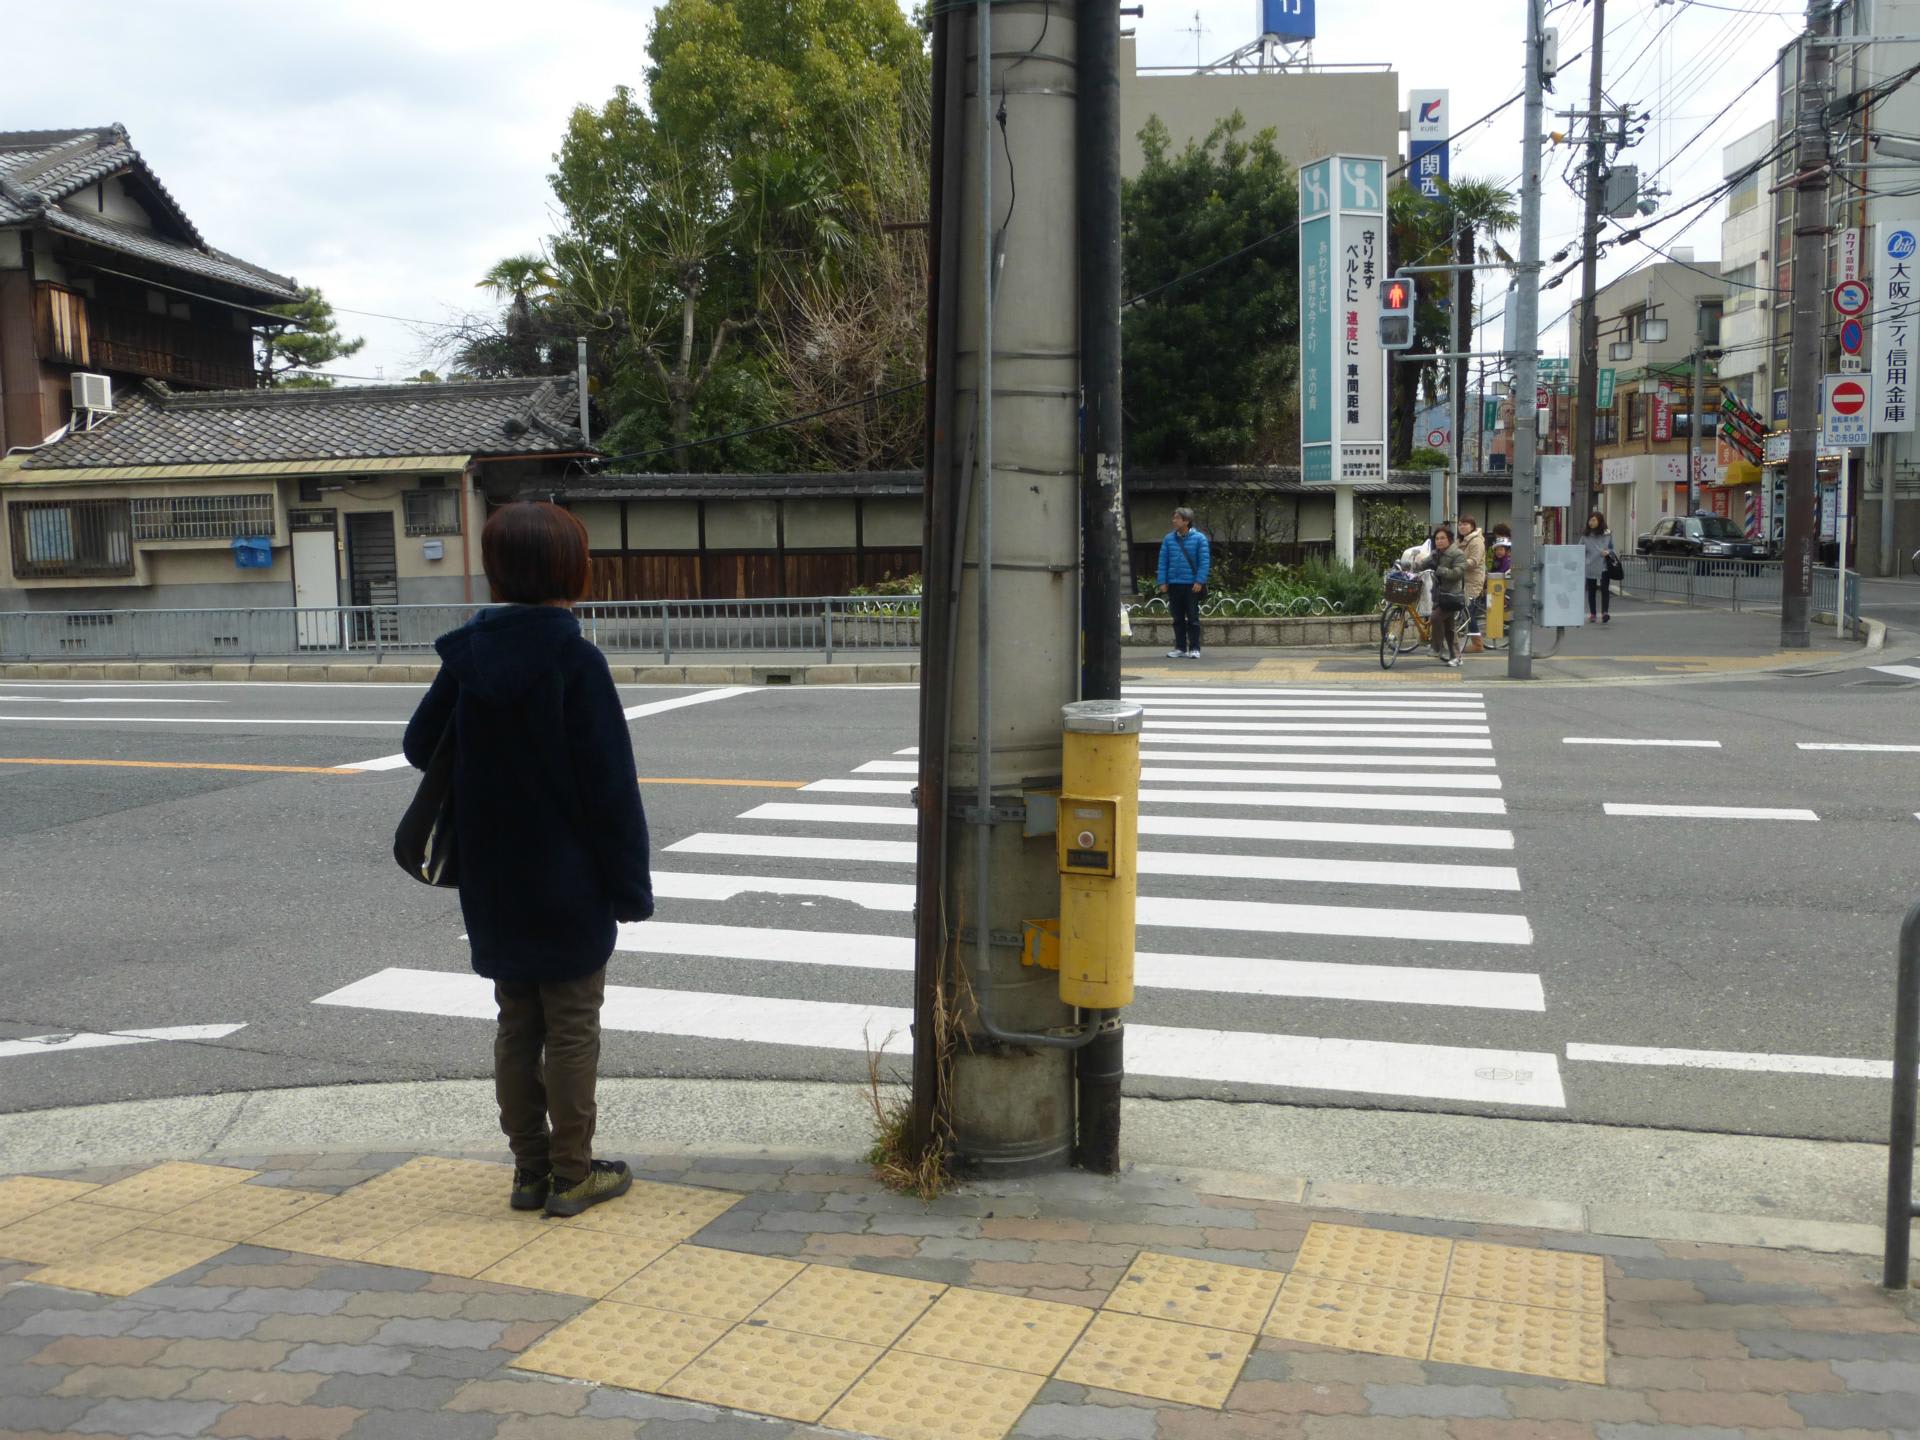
[[550, 837], [1449, 565]]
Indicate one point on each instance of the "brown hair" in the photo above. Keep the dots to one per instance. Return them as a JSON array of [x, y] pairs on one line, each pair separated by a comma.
[[534, 553]]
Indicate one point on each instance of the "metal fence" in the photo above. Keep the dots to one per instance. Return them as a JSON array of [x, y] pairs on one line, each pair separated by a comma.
[[817, 627], [1731, 584]]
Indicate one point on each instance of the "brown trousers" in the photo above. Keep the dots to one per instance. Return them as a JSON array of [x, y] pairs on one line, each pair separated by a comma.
[[545, 1058]]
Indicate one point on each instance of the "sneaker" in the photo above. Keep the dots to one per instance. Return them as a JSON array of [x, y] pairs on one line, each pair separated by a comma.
[[1454, 663], [1606, 619], [1193, 654], [530, 1188], [1176, 654], [607, 1180]]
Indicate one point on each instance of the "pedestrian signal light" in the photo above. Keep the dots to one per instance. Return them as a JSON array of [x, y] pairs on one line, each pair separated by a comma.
[[1397, 297]]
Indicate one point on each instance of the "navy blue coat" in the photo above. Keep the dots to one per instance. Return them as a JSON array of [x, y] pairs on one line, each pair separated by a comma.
[[551, 837]]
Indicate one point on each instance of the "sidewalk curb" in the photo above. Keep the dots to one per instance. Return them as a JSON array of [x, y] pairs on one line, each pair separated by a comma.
[[814, 1120], [898, 672]]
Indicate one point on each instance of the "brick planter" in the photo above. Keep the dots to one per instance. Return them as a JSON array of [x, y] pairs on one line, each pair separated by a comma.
[[1289, 633]]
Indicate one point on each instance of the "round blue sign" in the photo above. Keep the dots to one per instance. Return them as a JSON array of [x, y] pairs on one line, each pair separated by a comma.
[[1851, 337], [1900, 244]]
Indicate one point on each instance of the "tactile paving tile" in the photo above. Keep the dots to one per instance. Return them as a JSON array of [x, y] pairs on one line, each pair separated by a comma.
[[451, 1244], [774, 1372], [847, 1305], [1374, 1257], [129, 1262], [576, 1262], [922, 1397], [65, 1230], [167, 1187], [658, 1212], [1528, 1340], [1196, 1292], [1555, 1279], [24, 1195], [344, 1228], [1161, 1359], [238, 1212], [1369, 1318], [982, 1327], [626, 1345], [724, 1284], [430, 1183]]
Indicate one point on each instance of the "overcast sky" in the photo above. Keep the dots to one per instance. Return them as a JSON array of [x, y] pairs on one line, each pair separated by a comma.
[[390, 152]]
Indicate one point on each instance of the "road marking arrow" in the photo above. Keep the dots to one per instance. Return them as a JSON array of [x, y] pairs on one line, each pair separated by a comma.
[[84, 1040]]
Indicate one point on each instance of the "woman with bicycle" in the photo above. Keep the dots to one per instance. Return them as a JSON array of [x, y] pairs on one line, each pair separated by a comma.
[[1449, 566]]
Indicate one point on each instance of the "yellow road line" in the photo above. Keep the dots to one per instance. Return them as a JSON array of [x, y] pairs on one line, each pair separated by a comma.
[[183, 765]]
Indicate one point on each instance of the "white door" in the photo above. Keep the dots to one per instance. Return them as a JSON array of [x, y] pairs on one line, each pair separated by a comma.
[[316, 589]]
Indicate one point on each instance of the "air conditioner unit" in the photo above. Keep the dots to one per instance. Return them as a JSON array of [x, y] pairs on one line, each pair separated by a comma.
[[92, 392]]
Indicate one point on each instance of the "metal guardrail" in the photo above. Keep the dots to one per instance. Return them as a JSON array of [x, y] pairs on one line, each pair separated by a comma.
[[1730, 584], [823, 626], [1901, 1209]]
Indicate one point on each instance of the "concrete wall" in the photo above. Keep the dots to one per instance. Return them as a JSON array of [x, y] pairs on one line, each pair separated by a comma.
[[1746, 242]]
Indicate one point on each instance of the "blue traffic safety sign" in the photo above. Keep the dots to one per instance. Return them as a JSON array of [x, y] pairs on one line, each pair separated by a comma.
[[1852, 337], [1850, 297]]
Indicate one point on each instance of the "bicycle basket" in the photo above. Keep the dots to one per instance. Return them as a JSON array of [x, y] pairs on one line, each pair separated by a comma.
[[1403, 589]]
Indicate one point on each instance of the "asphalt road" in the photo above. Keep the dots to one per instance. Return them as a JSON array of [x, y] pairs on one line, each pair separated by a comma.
[[1490, 940]]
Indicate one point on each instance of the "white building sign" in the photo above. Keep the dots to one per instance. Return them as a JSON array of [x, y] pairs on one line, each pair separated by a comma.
[[1896, 325], [1343, 254]]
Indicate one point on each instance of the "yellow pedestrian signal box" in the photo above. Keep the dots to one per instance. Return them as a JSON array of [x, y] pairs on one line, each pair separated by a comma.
[[1097, 843]]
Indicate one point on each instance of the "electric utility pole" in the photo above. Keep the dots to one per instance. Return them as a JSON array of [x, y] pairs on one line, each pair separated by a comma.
[[1526, 370], [1807, 361], [1587, 397]]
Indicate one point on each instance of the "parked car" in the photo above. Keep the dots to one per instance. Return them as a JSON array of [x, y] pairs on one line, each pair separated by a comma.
[[1700, 537]]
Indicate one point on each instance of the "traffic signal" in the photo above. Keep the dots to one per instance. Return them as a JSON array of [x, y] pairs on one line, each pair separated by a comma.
[[1397, 299]]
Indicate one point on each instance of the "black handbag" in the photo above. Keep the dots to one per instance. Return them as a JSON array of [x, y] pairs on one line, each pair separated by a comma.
[[423, 843], [1615, 570]]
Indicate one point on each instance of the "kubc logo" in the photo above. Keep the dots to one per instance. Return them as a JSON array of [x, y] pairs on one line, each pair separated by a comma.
[[1430, 112], [1900, 245]]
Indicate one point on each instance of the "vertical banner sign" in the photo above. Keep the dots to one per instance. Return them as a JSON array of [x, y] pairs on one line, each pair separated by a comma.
[[1343, 253], [1894, 326], [1604, 399], [1429, 132], [1846, 256], [1662, 414]]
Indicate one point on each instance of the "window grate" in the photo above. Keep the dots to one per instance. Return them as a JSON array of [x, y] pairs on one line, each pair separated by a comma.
[[67, 539], [203, 517], [433, 512]]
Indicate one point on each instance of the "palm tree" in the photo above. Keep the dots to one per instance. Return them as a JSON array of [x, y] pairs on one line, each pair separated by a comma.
[[1417, 234], [517, 279], [1480, 209]]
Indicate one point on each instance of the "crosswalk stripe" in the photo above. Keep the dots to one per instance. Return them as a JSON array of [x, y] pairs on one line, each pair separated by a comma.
[[1710, 812], [1401, 875], [1226, 1056], [1168, 712], [867, 894], [910, 750], [1733, 1060], [1355, 920], [1183, 736], [1328, 800], [1418, 778], [836, 814], [1344, 728], [680, 702], [1291, 702], [863, 787], [1326, 832], [1678, 744], [888, 767], [842, 948], [86, 1040], [383, 762], [1242, 692], [1878, 749], [1905, 672], [1216, 757]]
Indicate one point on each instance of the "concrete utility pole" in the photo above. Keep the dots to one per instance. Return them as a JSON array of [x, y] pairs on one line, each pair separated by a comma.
[[1808, 360], [1587, 396], [1696, 405], [1526, 371]]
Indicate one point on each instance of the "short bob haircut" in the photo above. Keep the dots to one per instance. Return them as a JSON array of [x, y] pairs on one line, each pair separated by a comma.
[[535, 554]]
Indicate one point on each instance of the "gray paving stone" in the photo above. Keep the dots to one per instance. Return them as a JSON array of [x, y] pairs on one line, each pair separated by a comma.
[[954, 1227], [1825, 1345], [609, 1404], [19, 1378], [79, 1322], [386, 1392], [1190, 1217], [732, 1427], [935, 1272], [1619, 1246], [1880, 1377], [249, 1255], [52, 1413], [14, 1349], [1267, 1365], [1667, 1268], [1087, 1422], [441, 1334], [1061, 1392], [816, 1222], [1439, 1373], [417, 1425], [755, 1243], [197, 1324], [346, 1360], [457, 1364], [371, 1277], [744, 1180], [938, 1248], [1743, 1292], [1465, 1402], [1666, 1432], [381, 1161], [746, 1165], [874, 1202], [288, 1301], [1857, 1412], [762, 1201], [148, 1417], [183, 1297], [1252, 1259]]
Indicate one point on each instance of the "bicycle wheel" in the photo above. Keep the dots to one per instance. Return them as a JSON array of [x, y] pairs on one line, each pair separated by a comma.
[[1393, 636]]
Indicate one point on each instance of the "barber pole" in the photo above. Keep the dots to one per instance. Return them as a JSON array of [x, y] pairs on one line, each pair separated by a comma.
[[1753, 514]]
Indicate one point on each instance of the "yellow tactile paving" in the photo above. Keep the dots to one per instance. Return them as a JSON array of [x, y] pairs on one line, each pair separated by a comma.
[[345, 1228], [130, 1261], [65, 1230], [1196, 1292], [1368, 1318], [430, 1183], [167, 1187], [982, 1327], [1554, 1279], [1525, 1339], [451, 1244], [1191, 1364], [848, 1305], [627, 1345], [25, 1195], [1374, 1257], [774, 1372], [723, 1284], [238, 1212], [659, 1212], [575, 1262], [922, 1397]]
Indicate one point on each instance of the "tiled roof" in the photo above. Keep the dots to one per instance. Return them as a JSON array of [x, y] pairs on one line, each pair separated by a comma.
[[39, 169], [801, 485], [152, 425]]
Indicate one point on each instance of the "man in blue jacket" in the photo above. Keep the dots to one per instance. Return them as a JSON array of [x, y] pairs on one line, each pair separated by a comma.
[[1185, 562]]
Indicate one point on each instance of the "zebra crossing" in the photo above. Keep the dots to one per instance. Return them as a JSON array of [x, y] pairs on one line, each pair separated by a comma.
[[790, 927]]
